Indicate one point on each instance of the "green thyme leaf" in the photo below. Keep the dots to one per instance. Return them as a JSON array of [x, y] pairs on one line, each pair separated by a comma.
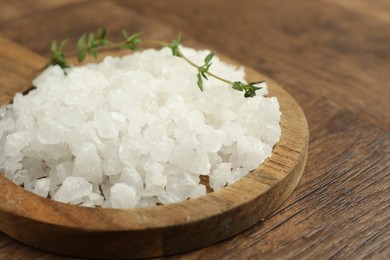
[[257, 82], [92, 53], [81, 48], [249, 89], [102, 35], [53, 46], [174, 45], [91, 41], [200, 81], [237, 85], [132, 41], [209, 57], [203, 70], [81, 54], [58, 55], [62, 45]]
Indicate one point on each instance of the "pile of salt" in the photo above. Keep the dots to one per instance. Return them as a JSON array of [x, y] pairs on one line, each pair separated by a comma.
[[134, 131]]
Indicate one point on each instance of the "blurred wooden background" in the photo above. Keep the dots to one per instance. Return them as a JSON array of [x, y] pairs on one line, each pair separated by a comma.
[[333, 56]]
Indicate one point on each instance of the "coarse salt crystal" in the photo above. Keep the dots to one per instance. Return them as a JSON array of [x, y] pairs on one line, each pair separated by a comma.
[[88, 164], [73, 189], [123, 196]]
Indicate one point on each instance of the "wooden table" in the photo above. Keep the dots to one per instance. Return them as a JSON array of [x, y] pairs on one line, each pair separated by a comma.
[[333, 56]]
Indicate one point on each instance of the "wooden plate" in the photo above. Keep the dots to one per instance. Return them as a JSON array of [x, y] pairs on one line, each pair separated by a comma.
[[168, 229]]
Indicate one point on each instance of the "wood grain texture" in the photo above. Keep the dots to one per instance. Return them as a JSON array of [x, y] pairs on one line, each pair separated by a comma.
[[332, 56], [11, 10], [69, 20], [379, 10], [18, 67], [105, 233]]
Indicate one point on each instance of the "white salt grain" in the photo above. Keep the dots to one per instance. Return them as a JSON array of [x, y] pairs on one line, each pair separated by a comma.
[[160, 150], [191, 155], [42, 187], [64, 170], [73, 118], [48, 134], [88, 164], [21, 177], [15, 143], [130, 176], [73, 189], [123, 196], [106, 125], [135, 131], [220, 176]]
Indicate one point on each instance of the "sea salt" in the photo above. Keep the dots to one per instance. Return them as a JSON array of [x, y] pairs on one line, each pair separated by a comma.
[[42, 187], [73, 189], [88, 164], [135, 131], [123, 196]]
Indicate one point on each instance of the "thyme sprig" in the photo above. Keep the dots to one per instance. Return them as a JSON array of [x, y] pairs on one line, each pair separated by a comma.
[[92, 44]]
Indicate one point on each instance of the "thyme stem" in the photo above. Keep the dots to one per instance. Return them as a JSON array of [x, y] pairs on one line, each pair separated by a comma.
[[92, 47]]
